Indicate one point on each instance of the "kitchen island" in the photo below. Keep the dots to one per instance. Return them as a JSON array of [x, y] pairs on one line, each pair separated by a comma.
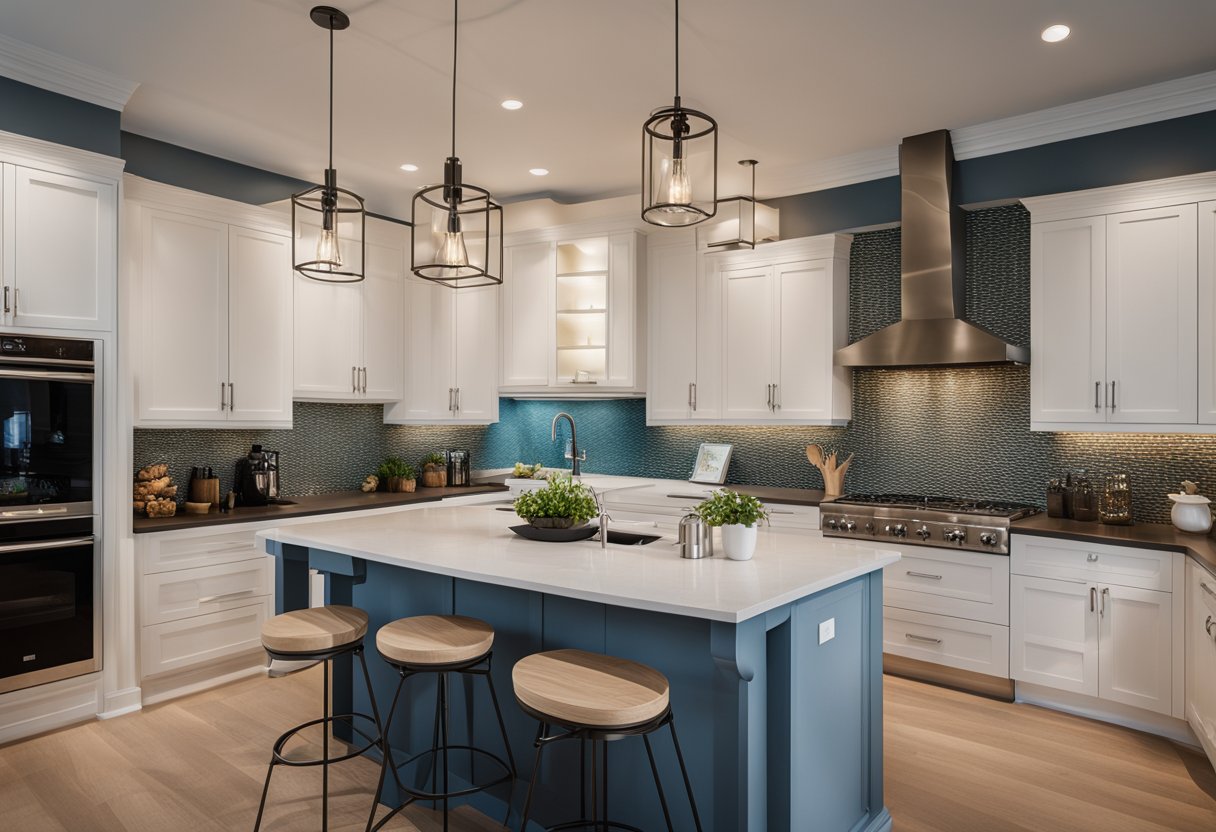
[[775, 664]]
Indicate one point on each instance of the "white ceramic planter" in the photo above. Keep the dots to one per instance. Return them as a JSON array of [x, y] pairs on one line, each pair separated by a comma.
[[739, 542], [1191, 513]]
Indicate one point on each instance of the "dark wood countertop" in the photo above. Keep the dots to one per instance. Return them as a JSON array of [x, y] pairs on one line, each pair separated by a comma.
[[1145, 535], [308, 506]]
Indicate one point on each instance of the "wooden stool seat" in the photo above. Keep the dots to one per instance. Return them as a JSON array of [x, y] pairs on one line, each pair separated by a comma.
[[434, 640], [314, 630], [581, 689]]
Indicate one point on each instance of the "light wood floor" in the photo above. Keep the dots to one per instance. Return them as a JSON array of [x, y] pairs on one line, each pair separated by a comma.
[[954, 763]]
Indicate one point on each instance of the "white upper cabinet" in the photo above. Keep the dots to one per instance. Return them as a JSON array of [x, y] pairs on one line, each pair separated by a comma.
[[1151, 321], [1123, 307], [348, 336], [748, 337], [571, 314], [210, 309], [59, 250], [451, 356]]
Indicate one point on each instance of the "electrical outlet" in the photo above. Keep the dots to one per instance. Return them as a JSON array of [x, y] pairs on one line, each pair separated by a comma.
[[827, 630]]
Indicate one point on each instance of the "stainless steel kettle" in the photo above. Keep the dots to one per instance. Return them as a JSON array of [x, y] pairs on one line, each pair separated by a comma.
[[695, 537]]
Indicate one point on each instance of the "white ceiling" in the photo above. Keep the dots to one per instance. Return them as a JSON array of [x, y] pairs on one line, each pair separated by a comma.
[[791, 82]]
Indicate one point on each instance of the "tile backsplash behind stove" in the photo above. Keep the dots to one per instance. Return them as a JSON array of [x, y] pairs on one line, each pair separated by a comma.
[[954, 431]]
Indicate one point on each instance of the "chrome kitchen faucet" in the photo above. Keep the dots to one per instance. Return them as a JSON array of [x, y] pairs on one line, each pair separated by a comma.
[[576, 471]]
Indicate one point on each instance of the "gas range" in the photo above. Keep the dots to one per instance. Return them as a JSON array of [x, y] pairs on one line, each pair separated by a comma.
[[953, 523]]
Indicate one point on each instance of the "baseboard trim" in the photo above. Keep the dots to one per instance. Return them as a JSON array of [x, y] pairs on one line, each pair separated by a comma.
[[24, 713], [967, 681], [121, 702], [1115, 713]]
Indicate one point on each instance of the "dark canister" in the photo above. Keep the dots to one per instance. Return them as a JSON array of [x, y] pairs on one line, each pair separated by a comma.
[[458, 467]]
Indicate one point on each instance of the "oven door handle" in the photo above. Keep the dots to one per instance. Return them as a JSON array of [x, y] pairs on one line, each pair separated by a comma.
[[49, 375], [67, 543]]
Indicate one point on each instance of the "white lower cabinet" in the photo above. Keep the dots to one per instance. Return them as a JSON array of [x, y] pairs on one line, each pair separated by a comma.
[[976, 646], [1096, 620], [1201, 655], [184, 643]]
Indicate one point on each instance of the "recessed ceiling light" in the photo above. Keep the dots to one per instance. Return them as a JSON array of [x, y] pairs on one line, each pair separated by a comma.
[[409, 168], [1056, 33], [512, 104], [539, 171]]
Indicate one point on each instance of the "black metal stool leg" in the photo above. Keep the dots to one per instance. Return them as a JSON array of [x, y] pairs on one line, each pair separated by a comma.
[[540, 732], [692, 801], [257, 824], [658, 784], [605, 776], [502, 727], [325, 755], [443, 728], [386, 760]]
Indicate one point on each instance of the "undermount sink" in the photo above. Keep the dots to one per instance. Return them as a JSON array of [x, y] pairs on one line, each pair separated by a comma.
[[631, 538]]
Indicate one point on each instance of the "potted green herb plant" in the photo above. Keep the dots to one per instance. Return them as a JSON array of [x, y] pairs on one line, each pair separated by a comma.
[[738, 515], [397, 475], [562, 504], [434, 470]]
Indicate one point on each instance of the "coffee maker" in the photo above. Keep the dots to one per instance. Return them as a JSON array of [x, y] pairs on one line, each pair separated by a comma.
[[257, 478]]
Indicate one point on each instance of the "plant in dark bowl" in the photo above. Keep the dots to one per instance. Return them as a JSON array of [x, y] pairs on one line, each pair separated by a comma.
[[562, 504]]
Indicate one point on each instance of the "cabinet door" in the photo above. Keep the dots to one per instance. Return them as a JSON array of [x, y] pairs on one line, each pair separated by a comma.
[[803, 371], [623, 334], [429, 362], [1207, 313], [1151, 320], [1053, 634], [1201, 656], [181, 358], [476, 353], [259, 326], [63, 251], [383, 320], [1068, 321], [1135, 647], [527, 310], [673, 310], [747, 343], [328, 339]]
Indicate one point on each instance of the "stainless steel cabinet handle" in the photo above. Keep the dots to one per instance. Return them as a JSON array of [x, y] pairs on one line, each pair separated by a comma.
[[770, 397], [690, 407], [925, 639], [452, 399], [694, 396], [1112, 396], [16, 298], [231, 396], [207, 599], [223, 396], [924, 575], [1093, 598], [354, 379], [776, 397], [1102, 607], [1097, 387], [1207, 589], [362, 379], [6, 307], [457, 399], [1207, 625]]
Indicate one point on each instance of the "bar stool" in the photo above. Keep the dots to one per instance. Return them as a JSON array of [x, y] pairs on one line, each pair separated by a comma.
[[438, 644], [602, 699], [319, 634]]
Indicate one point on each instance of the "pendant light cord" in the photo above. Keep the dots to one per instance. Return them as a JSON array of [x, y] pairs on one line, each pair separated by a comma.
[[677, 48], [331, 93], [455, 43]]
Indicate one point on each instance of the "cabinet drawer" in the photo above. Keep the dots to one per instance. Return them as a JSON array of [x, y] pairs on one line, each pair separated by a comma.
[[1072, 560], [168, 596], [203, 638], [160, 553], [955, 642], [959, 584]]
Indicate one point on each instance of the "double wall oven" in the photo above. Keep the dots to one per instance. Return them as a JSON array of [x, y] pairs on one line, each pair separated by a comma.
[[50, 560]]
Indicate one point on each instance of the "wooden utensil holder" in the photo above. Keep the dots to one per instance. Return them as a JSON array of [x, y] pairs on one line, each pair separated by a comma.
[[206, 490]]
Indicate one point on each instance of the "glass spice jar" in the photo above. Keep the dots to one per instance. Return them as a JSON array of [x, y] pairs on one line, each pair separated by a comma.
[[1117, 500]]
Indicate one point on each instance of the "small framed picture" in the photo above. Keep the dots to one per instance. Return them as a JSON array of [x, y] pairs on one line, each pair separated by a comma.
[[712, 463]]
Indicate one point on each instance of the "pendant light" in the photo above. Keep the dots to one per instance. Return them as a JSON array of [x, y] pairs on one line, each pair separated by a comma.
[[328, 222], [457, 227], [679, 161], [741, 222]]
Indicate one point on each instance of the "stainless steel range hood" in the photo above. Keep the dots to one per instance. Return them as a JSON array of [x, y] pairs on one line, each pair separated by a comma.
[[931, 331]]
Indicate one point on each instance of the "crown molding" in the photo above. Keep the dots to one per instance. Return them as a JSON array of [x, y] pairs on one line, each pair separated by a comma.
[[153, 194], [1129, 108], [50, 71], [1177, 190], [58, 158]]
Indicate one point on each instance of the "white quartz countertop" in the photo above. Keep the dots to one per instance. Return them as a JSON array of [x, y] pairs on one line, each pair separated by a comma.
[[475, 543]]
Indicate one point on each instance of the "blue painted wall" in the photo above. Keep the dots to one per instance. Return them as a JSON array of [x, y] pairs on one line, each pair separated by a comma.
[[31, 111]]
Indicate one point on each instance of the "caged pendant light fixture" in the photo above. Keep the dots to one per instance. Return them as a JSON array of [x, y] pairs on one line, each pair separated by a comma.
[[457, 227], [742, 221], [328, 222], [679, 161]]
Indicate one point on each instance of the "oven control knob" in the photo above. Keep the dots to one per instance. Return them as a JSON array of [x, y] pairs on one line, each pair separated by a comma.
[[897, 530], [849, 526], [923, 533], [833, 524], [988, 538], [870, 528], [955, 535]]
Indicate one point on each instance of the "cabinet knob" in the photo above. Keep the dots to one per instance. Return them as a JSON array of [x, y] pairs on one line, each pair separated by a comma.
[[1091, 558]]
